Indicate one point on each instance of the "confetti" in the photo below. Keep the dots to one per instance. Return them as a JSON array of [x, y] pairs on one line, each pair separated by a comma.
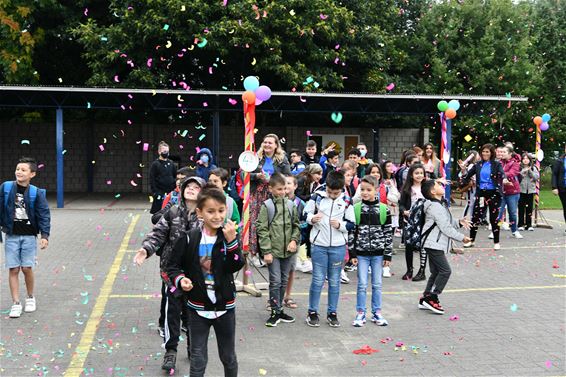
[[109, 182], [555, 264], [454, 318], [224, 3], [116, 78], [84, 298], [88, 106], [365, 350], [133, 183], [390, 87], [201, 137], [101, 147], [149, 62], [262, 372], [232, 101], [548, 364], [145, 147], [86, 12], [203, 43], [25, 141], [514, 307], [468, 138], [309, 133], [166, 27], [336, 117]]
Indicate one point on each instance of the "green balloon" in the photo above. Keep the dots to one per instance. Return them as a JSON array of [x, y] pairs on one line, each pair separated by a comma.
[[442, 105]]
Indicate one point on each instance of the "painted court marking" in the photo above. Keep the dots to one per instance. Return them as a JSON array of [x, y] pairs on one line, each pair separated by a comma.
[[78, 359]]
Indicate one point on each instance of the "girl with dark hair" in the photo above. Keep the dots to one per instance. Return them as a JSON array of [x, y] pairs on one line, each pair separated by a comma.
[[529, 178], [431, 162], [388, 169], [308, 181]]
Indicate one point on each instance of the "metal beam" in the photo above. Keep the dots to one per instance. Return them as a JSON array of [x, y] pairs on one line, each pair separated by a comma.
[[59, 151]]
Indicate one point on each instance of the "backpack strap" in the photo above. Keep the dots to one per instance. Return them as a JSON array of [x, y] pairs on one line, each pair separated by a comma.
[[270, 211], [7, 190], [382, 213], [290, 206], [358, 212], [32, 196]]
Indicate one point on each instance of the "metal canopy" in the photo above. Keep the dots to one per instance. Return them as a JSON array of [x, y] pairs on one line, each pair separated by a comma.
[[228, 101]]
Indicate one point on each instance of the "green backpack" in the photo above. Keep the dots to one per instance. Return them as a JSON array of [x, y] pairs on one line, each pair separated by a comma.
[[382, 213]]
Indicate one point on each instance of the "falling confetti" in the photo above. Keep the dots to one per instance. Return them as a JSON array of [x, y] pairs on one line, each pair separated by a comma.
[[514, 307]]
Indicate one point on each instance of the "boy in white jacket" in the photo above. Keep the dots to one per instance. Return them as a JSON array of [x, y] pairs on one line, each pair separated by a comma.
[[441, 230], [332, 216]]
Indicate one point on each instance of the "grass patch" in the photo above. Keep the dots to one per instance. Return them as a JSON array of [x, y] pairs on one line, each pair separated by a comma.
[[548, 200]]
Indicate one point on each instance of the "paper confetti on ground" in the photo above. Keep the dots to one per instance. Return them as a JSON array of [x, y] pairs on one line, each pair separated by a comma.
[[365, 350]]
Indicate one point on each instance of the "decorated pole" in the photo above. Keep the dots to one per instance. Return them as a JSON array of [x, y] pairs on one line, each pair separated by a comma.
[[249, 121], [537, 163], [541, 123], [445, 149]]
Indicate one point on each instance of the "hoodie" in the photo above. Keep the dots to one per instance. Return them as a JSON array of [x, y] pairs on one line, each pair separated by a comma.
[[322, 233], [202, 170], [441, 236]]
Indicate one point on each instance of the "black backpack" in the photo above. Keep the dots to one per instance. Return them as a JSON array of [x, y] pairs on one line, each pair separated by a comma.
[[414, 227]]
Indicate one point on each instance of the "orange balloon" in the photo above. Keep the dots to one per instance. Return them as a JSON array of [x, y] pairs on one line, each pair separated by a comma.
[[450, 114], [249, 97], [537, 121]]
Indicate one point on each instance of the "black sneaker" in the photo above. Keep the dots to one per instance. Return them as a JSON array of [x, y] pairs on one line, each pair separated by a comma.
[[419, 276], [431, 303], [161, 332], [169, 360], [313, 320], [421, 305], [332, 319], [284, 317], [273, 320]]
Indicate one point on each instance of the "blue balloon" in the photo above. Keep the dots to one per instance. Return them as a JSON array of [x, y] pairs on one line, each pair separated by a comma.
[[545, 117], [251, 83], [454, 104]]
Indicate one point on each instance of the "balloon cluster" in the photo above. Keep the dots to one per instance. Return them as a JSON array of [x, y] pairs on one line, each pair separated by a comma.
[[449, 108], [542, 121], [255, 93]]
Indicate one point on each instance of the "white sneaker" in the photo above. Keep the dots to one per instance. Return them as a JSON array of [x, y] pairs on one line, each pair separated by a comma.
[[16, 311], [496, 246], [398, 233], [505, 226], [386, 272], [489, 226], [531, 229], [30, 305], [304, 266], [258, 262], [517, 235], [490, 236], [521, 228], [344, 279], [468, 244]]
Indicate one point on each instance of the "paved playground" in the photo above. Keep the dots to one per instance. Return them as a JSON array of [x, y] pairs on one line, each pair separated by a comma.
[[97, 312]]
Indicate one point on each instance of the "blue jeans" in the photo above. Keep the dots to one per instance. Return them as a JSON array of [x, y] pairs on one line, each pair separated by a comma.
[[376, 263], [512, 202], [326, 261]]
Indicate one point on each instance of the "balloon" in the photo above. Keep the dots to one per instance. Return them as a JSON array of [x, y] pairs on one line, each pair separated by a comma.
[[544, 126], [450, 114], [251, 83], [546, 118], [248, 97], [454, 104], [442, 105], [537, 121], [263, 93], [540, 155], [258, 101]]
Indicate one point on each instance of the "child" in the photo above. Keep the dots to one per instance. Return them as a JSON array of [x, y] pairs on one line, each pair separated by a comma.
[[349, 168], [173, 196], [409, 195], [160, 241], [441, 230], [219, 178], [332, 216], [24, 213], [204, 163], [529, 178], [162, 174], [355, 155], [389, 169], [363, 161], [329, 162], [202, 264], [308, 181], [370, 244], [310, 157], [297, 165], [279, 237]]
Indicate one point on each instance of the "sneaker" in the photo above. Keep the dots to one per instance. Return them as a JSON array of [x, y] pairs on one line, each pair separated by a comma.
[[408, 275], [489, 227], [344, 279], [304, 267], [531, 229], [431, 303], [16, 310], [386, 272], [521, 228], [332, 319], [284, 317], [313, 320], [419, 276], [169, 360], [161, 332], [350, 268], [505, 226], [258, 262], [469, 244], [30, 305], [379, 320], [490, 236], [398, 233], [360, 320], [421, 304], [273, 320], [517, 235], [496, 246], [456, 250]]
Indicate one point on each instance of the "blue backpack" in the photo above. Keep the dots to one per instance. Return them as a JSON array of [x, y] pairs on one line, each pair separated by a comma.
[[32, 194]]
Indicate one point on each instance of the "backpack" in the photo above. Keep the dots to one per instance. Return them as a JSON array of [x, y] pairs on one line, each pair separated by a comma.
[[382, 213], [414, 227], [32, 194], [271, 211]]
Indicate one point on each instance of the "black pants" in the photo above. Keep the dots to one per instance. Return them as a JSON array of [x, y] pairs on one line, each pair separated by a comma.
[[492, 201], [525, 210], [409, 250], [225, 330], [175, 311], [562, 195], [157, 203], [439, 272]]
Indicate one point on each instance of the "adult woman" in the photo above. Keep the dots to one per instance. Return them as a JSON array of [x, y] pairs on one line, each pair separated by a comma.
[[470, 188], [272, 160], [431, 162], [530, 176], [511, 187], [489, 178]]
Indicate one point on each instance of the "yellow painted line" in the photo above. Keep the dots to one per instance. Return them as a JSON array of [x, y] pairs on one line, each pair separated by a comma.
[[78, 359], [558, 276], [511, 248], [351, 293]]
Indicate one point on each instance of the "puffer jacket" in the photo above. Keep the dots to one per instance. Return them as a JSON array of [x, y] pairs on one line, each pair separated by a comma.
[[275, 237], [529, 180], [440, 237], [512, 169], [172, 225], [369, 238], [322, 233]]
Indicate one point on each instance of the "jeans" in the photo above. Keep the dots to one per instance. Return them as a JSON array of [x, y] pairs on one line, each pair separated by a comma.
[[512, 202], [439, 272], [562, 195], [225, 330], [526, 210], [326, 262], [279, 271], [492, 200], [376, 263]]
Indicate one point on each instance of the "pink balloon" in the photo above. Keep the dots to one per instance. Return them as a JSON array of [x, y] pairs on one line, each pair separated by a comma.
[[544, 126], [263, 93], [258, 101]]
